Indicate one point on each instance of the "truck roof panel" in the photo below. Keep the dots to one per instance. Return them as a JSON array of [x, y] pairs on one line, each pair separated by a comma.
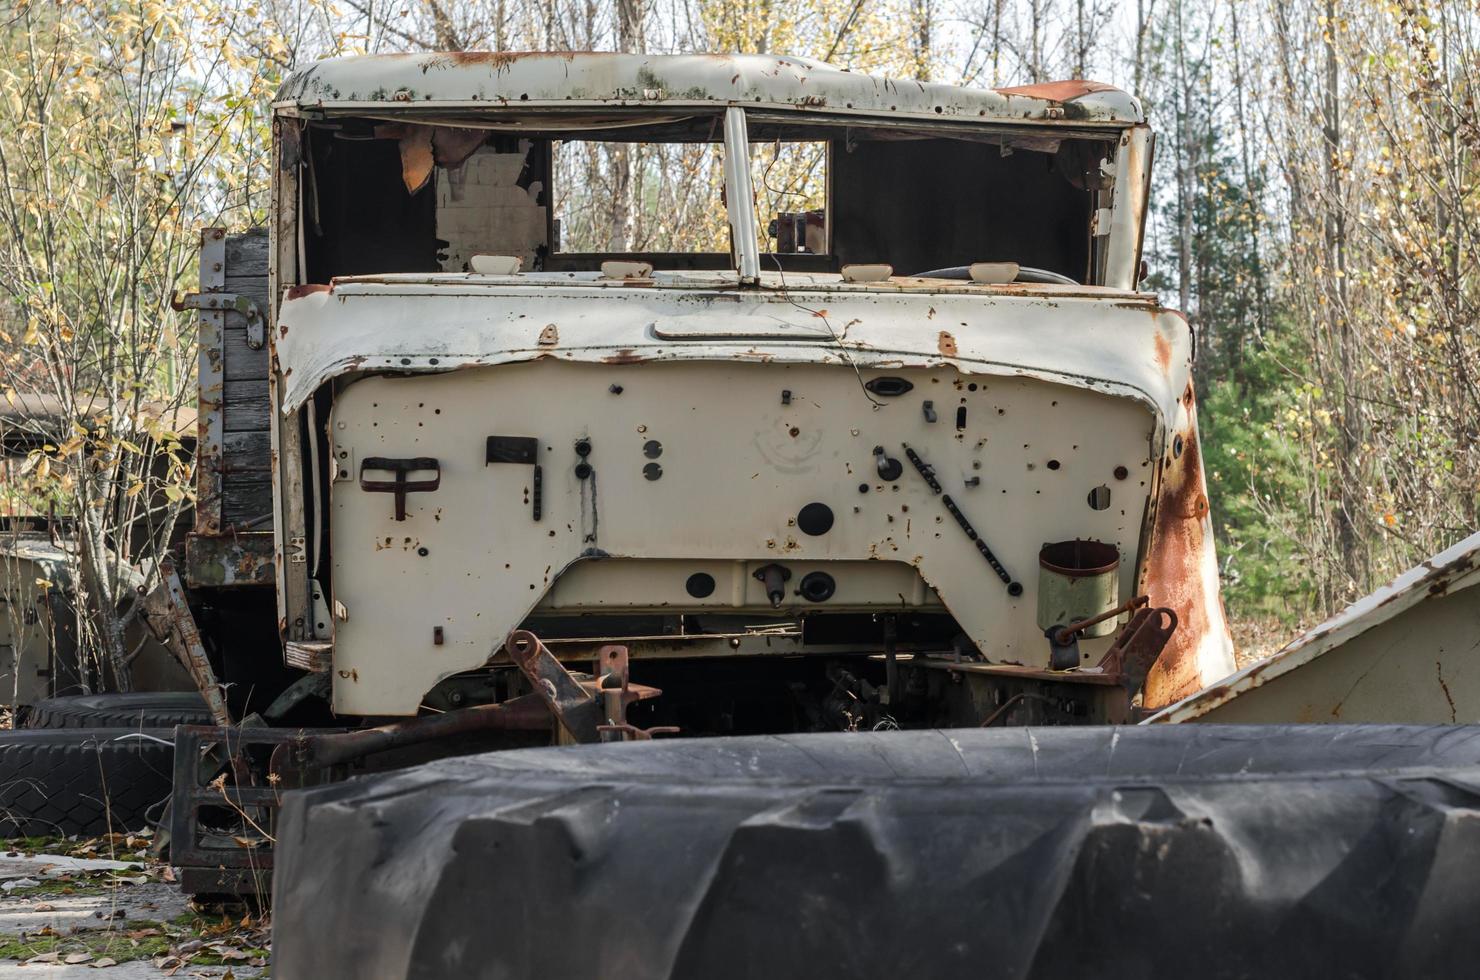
[[398, 83]]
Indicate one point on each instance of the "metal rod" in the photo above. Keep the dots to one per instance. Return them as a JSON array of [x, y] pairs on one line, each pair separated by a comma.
[[891, 661], [1067, 632], [526, 713]]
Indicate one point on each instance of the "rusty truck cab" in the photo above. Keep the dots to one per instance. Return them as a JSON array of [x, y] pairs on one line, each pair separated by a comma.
[[831, 398]]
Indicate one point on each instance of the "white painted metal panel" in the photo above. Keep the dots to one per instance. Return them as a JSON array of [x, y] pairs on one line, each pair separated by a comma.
[[737, 463]]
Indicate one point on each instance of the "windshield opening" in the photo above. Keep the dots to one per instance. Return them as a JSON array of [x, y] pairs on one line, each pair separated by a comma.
[[565, 193]]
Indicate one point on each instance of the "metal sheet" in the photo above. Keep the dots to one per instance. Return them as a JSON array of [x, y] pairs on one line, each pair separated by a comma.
[[215, 561], [411, 82], [738, 466], [1103, 340], [1406, 653], [1181, 568]]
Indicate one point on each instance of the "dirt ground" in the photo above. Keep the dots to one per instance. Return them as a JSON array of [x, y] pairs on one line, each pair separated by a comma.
[[72, 908]]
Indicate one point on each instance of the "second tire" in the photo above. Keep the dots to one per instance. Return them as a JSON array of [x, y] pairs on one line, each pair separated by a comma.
[[139, 709]]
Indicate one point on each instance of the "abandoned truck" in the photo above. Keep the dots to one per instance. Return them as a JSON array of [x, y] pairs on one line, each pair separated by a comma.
[[854, 463], [582, 398]]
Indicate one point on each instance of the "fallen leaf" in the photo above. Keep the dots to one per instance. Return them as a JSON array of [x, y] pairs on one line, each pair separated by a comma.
[[105, 961], [75, 958], [44, 907], [45, 958]]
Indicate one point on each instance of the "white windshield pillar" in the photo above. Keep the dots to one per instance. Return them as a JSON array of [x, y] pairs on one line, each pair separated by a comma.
[[1132, 192], [740, 197]]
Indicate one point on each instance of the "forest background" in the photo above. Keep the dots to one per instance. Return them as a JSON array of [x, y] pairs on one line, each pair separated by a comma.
[[1316, 213]]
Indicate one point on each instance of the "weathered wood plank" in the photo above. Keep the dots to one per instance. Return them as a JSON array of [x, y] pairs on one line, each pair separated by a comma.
[[246, 455], [241, 362], [252, 287], [246, 407], [245, 501], [208, 377], [246, 255]]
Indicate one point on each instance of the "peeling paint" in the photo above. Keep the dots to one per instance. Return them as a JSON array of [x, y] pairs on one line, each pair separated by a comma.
[[407, 83], [1181, 573]]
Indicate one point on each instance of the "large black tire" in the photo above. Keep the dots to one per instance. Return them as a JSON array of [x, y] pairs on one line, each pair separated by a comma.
[[1192, 850], [140, 709], [83, 781]]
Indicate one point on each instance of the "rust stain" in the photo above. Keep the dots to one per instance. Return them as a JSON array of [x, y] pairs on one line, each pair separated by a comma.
[[625, 356], [550, 336], [1163, 354], [947, 344], [306, 289], [1443, 576], [497, 60], [1180, 541], [1058, 91]]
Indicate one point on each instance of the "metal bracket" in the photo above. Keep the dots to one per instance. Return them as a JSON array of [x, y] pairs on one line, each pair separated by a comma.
[[573, 702], [523, 450], [227, 303], [1138, 645], [401, 486], [167, 614]]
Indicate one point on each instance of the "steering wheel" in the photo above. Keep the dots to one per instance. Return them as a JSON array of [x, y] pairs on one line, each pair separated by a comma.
[[1025, 274]]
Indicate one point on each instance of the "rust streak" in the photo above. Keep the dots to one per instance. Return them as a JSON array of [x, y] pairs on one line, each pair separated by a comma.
[[1453, 715], [1175, 575], [1058, 91], [307, 289], [1163, 354], [947, 344]]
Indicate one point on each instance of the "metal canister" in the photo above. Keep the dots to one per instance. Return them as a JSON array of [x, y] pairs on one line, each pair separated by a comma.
[[1077, 580]]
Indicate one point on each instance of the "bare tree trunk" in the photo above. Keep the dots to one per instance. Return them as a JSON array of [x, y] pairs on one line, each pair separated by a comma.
[[446, 34], [1185, 165], [923, 55], [1349, 420], [1253, 191], [630, 38]]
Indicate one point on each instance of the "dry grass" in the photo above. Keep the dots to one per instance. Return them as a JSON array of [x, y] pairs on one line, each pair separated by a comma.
[[1256, 639]]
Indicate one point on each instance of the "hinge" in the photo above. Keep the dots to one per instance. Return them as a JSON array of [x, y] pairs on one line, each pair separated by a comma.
[[1099, 225], [227, 303]]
